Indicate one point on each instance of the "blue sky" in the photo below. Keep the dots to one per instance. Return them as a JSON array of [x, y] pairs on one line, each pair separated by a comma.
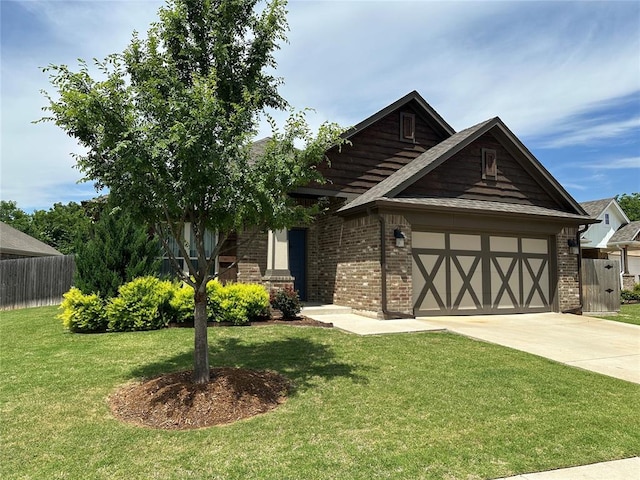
[[564, 76]]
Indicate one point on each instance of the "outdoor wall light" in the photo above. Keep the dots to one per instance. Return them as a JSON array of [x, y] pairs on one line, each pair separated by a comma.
[[573, 246], [399, 236]]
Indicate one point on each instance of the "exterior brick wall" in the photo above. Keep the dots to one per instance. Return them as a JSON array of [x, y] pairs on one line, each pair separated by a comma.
[[399, 285], [252, 257], [358, 277], [568, 272], [323, 246]]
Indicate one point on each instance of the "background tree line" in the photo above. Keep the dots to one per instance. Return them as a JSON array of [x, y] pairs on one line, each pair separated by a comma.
[[62, 226], [110, 248]]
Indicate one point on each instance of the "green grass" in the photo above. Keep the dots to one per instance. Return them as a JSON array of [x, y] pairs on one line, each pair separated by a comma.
[[628, 314], [404, 406]]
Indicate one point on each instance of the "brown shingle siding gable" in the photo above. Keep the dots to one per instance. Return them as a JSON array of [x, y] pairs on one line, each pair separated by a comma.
[[377, 149], [419, 167], [433, 158], [461, 176]]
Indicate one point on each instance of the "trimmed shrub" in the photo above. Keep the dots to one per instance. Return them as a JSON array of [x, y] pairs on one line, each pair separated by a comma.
[[142, 304], [182, 303], [287, 301], [83, 313], [238, 303], [214, 288], [254, 298]]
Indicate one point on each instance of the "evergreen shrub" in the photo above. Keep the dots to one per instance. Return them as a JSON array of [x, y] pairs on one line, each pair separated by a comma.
[[142, 304], [238, 303], [118, 251], [83, 313], [182, 303], [631, 296]]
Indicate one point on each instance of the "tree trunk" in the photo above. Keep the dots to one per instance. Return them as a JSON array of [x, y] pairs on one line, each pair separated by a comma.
[[201, 350]]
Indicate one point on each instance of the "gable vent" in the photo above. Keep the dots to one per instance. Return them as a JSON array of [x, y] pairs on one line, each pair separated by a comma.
[[407, 126]]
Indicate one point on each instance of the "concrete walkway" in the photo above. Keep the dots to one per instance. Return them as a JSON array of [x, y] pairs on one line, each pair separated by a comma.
[[606, 347], [603, 346], [626, 469]]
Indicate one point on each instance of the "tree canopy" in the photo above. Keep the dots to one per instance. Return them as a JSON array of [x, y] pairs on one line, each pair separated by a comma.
[[169, 124], [630, 204], [62, 226]]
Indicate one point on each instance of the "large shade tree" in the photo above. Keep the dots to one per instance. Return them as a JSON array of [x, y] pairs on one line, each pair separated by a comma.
[[168, 126]]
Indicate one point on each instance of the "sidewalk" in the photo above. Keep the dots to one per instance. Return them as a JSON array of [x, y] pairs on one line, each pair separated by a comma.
[[626, 469]]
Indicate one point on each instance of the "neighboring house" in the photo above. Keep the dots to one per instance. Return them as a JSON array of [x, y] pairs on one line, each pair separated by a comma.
[[16, 244], [615, 237], [627, 241], [422, 220], [595, 239]]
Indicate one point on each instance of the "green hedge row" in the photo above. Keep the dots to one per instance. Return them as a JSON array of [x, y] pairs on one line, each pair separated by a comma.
[[148, 303]]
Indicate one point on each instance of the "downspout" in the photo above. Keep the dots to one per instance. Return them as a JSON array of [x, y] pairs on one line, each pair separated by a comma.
[[383, 273]]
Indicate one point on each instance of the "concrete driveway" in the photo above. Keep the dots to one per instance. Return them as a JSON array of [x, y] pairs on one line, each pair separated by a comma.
[[603, 346]]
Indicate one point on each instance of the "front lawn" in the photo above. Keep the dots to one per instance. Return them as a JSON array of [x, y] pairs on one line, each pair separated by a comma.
[[629, 313], [403, 406]]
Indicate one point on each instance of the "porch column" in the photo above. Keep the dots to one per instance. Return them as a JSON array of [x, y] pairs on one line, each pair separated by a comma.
[[625, 259], [628, 280], [277, 274]]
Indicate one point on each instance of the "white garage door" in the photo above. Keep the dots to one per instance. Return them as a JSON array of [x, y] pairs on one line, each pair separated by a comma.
[[465, 274]]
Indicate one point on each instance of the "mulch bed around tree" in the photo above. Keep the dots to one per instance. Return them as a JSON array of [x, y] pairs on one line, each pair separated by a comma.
[[174, 402], [300, 321]]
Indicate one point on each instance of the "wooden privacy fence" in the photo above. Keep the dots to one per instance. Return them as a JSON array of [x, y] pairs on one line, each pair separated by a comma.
[[600, 285], [32, 282]]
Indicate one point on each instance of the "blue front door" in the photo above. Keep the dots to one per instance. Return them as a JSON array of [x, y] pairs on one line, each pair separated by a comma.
[[298, 260]]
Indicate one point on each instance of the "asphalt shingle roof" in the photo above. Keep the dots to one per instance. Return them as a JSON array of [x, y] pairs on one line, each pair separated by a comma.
[[626, 234], [15, 242], [596, 207]]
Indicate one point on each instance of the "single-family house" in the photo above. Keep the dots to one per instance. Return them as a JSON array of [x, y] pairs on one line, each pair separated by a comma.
[[422, 220], [615, 237], [16, 244]]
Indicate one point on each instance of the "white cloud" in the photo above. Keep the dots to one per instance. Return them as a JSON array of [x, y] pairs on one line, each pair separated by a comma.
[[616, 164], [538, 65], [584, 134]]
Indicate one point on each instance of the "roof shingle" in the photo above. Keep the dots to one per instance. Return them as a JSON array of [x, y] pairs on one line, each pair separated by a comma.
[[15, 242]]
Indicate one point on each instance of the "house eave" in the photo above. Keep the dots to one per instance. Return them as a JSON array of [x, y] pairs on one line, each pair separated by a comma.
[[28, 253], [493, 209]]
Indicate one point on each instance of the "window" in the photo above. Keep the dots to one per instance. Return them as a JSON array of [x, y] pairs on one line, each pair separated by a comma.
[[606, 219], [188, 237], [489, 164], [407, 127]]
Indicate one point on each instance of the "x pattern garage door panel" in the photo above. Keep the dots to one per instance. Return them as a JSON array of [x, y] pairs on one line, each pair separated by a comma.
[[456, 273]]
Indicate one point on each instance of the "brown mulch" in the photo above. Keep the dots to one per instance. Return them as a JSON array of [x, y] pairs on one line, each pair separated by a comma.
[[300, 321], [174, 402]]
